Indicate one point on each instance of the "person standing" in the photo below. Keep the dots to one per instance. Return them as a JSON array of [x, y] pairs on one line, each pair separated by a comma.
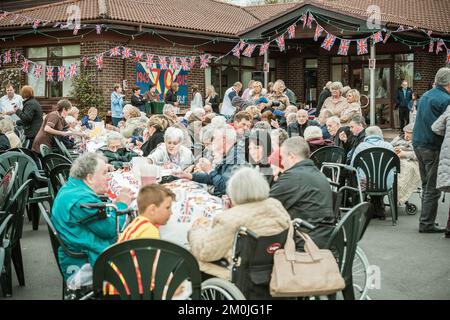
[[326, 93], [212, 99], [137, 99], [196, 102], [9, 101], [171, 95], [427, 146], [117, 105], [403, 99], [227, 108], [31, 114], [248, 92]]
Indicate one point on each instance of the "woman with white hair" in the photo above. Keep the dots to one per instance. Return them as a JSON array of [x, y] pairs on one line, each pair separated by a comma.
[[252, 208], [336, 103], [135, 122], [313, 135], [7, 128], [169, 111], [116, 152], [172, 153]]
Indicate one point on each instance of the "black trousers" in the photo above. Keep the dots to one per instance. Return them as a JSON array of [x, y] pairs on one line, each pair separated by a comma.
[[403, 116]]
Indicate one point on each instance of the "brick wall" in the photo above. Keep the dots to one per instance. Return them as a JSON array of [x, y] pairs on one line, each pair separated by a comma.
[[427, 64]]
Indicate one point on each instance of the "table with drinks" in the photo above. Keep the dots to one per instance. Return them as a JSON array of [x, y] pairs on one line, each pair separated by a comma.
[[192, 199]]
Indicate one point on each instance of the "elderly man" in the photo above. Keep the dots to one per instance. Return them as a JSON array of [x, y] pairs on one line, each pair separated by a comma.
[[358, 134], [88, 180], [9, 101], [227, 108], [116, 152], [403, 98], [304, 191], [228, 156], [337, 133], [427, 146], [298, 129]]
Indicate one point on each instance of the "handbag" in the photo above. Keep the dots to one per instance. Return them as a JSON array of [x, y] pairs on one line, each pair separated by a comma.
[[314, 272]]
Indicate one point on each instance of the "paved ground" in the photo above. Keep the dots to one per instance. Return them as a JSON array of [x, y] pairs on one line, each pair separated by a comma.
[[412, 265]]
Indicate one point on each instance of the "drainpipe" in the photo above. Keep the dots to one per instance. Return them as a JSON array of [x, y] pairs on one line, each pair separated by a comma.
[[266, 73], [372, 85]]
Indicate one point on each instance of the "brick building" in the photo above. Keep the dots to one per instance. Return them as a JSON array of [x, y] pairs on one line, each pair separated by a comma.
[[195, 27]]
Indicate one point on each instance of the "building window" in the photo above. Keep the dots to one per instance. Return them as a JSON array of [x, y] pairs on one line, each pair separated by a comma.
[[404, 69], [52, 56], [340, 70]]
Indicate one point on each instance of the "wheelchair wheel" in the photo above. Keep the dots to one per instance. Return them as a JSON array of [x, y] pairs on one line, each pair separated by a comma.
[[220, 289], [411, 209], [360, 275]]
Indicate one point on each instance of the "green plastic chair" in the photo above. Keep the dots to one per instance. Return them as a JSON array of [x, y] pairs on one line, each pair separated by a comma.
[[174, 265], [51, 160], [377, 163], [5, 270], [344, 241], [58, 177]]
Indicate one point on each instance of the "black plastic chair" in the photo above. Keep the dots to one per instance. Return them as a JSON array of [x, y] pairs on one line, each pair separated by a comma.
[[33, 155], [160, 263], [13, 234], [331, 154], [57, 243], [5, 255], [253, 262], [377, 164], [51, 160], [63, 149], [58, 177], [344, 241], [6, 186]]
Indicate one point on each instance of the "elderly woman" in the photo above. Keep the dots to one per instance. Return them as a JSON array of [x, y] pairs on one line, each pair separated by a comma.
[[88, 181], [409, 177], [172, 153], [313, 135], [91, 117], [116, 152], [259, 151], [354, 107], [153, 136], [7, 129], [256, 93], [252, 208], [336, 103], [135, 122], [278, 99], [74, 112], [169, 111]]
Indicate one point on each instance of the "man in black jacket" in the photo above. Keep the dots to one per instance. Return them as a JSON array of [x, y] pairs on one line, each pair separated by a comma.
[[298, 128], [304, 191], [322, 97], [358, 133], [31, 115]]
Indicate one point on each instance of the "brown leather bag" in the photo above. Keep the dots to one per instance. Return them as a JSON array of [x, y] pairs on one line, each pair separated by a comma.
[[314, 272]]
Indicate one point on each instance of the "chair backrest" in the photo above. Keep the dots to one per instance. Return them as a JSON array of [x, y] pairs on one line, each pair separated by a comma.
[[45, 150], [377, 164], [6, 186], [331, 154], [344, 239], [58, 177], [62, 148], [146, 269], [51, 160], [3, 228], [26, 166], [255, 255], [33, 155]]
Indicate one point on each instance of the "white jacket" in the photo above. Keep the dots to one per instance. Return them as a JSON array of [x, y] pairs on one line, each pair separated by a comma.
[[196, 102], [227, 107], [159, 156]]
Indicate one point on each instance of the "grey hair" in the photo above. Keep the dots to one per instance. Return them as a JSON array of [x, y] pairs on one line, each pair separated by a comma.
[[312, 132], [297, 146], [291, 118], [218, 122], [335, 120], [337, 85], [302, 111], [167, 108], [198, 112], [228, 131], [247, 185], [173, 134], [262, 125], [207, 133], [207, 108], [6, 125], [291, 109], [280, 134], [86, 164], [113, 136], [328, 85], [359, 120], [374, 131], [442, 77], [327, 113], [128, 108]]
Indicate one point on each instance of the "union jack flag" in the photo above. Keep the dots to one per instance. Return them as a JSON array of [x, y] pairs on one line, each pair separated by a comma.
[[25, 65], [184, 63], [75, 30], [173, 63], [237, 50], [439, 46], [264, 48], [49, 73], [361, 47], [377, 37], [291, 32], [309, 22], [249, 50], [16, 56], [126, 53], [13, 19], [7, 56], [138, 56], [162, 62], [98, 28], [328, 42], [85, 61], [431, 47], [37, 71], [192, 64], [386, 37], [73, 70], [343, 47], [61, 73], [280, 42], [99, 61], [204, 61], [4, 14], [241, 45], [448, 56], [318, 33], [36, 24], [401, 28], [114, 52], [429, 32], [149, 60], [303, 19]]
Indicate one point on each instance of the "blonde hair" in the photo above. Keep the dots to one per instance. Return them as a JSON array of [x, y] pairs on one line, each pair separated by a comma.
[[355, 94], [132, 110], [6, 125]]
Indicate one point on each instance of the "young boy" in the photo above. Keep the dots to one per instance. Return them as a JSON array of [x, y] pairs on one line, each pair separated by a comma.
[[155, 207]]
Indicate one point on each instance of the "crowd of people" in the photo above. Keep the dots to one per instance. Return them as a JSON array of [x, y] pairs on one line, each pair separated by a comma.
[[254, 148]]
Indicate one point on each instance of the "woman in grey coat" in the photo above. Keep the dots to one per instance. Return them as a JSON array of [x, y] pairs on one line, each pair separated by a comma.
[[442, 127]]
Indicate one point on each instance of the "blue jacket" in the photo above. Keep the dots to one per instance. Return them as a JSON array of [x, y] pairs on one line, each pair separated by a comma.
[[85, 122], [429, 108], [116, 105], [91, 238], [403, 100], [219, 177]]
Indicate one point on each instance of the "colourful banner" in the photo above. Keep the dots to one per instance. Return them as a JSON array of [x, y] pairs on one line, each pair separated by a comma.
[[163, 79]]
